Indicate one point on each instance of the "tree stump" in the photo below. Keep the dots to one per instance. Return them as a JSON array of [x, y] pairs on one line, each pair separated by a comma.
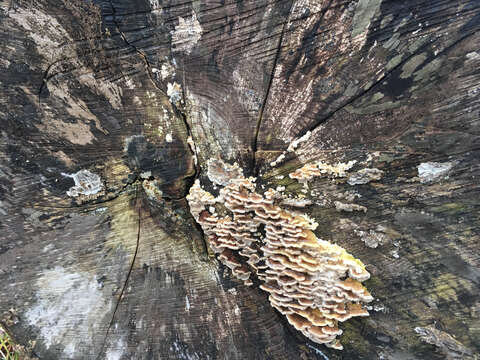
[[112, 109]]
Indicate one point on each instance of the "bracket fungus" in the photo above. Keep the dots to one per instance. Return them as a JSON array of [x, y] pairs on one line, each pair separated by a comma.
[[314, 283], [319, 168]]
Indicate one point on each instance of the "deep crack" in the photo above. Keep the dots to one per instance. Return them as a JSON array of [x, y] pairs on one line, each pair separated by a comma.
[[127, 278], [253, 165], [149, 72], [137, 50], [386, 75]]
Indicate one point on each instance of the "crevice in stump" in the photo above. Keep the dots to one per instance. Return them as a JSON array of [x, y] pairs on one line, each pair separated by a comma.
[[386, 75], [126, 280], [265, 99]]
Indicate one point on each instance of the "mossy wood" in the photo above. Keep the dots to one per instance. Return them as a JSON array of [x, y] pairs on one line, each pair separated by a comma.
[[364, 115]]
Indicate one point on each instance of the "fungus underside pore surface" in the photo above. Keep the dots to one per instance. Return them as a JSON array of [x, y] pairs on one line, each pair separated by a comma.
[[314, 283]]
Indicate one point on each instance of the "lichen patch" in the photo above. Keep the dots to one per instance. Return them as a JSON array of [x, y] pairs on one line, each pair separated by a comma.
[[372, 239], [167, 70], [340, 206], [295, 143], [221, 173], [174, 92], [86, 183], [66, 300], [446, 343], [364, 13], [364, 176], [278, 160], [433, 171], [116, 350], [186, 34]]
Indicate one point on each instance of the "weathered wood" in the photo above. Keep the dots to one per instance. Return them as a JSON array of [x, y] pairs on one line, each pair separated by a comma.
[[137, 96]]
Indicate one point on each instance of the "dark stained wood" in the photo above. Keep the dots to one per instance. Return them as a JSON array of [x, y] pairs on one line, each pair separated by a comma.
[[120, 88]]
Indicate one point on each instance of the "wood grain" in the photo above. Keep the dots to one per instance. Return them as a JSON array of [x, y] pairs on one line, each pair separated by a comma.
[[124, 90]]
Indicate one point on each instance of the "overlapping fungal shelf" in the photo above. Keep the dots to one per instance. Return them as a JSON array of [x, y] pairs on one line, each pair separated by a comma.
[[314, 283], [310, 170]]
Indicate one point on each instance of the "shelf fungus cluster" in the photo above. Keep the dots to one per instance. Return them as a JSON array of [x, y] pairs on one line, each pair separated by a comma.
[[311, 170], [314, 283]]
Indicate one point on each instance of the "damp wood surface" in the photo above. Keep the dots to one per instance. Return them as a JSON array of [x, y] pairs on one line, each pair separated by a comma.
[[364, 115]]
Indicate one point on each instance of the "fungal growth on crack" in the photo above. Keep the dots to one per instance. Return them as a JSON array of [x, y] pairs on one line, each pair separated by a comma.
[[311, 170], [314, 283]]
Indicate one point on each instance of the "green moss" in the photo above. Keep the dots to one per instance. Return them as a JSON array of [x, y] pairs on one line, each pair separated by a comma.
[[449, 208], [353, 340], [291, 185]]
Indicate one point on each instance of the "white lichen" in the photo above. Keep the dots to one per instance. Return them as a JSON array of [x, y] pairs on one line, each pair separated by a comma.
[[221, 173], [193, 149], [295, 143], [186, 34], [446, 343], [278, 160], [364, 176], [372, 239], [433, 171], [146, 174], [152, 189], [166, 71], [174, 92], [296, 202], [86, 183], [473, 55], [67, 304], [339, 206], [116, 352]]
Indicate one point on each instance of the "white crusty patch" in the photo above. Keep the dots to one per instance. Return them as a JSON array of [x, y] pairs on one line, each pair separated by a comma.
[[221, 173], [166, 71], [174, 92], [339, 206], [155, 5], [186, 34], [193, 148], [86, 183], [296, 202], [295, 143], [115, 352], [372, 239], [473, 56], [278, 160], [69, 305], [364, 176], [433, 171]]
